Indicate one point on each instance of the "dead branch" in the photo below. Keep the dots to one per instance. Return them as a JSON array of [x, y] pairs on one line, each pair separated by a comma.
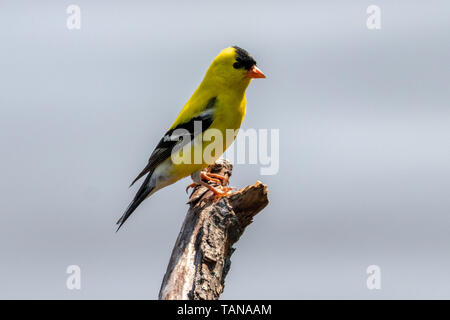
[[201, 256]]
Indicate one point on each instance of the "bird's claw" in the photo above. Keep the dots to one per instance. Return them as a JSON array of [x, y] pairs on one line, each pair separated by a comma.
[[192, 185], [217, 178], [220, 191]]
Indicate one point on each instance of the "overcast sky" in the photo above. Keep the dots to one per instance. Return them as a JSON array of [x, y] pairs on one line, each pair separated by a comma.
[[364, 123]]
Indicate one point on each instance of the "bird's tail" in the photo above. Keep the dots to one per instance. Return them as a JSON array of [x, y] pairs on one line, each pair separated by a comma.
[[144, 191]]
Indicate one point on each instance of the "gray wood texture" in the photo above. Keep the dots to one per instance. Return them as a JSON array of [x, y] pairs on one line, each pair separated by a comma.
[[201, 256]]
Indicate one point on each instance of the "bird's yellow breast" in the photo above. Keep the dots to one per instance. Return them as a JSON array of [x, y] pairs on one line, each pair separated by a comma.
[[229, 112]]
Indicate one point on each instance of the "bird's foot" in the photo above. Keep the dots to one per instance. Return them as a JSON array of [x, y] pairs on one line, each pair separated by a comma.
[[217, 178], [192, 185], [219, 192], [220, 180]]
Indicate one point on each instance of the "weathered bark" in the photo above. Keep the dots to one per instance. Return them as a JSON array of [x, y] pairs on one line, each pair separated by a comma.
[[201, 256]]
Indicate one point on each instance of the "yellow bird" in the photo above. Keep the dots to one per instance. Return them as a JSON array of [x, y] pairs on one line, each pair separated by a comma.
[[217, 105]]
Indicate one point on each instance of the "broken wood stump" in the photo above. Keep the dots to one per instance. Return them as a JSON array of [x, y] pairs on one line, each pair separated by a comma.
[[201, 256]]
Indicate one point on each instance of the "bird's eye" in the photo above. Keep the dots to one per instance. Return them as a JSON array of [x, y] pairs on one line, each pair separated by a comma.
[[237, 65]]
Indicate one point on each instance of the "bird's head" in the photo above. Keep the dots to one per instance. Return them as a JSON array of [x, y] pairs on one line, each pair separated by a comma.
[[233, 67]]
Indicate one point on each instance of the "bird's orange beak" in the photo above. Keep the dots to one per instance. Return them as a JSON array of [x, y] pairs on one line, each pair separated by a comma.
[[254, 72]]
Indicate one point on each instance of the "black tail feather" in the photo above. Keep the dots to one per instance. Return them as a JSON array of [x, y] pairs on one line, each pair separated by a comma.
[[141, 195]]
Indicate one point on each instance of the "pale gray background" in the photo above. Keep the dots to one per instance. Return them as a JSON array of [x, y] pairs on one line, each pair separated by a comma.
[[364, 123]]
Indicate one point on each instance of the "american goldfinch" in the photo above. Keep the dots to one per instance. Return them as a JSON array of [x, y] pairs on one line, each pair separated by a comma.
[[217, 104]]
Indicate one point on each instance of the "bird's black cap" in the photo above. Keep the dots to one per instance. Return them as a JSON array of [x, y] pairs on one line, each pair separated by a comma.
[[243, 59]]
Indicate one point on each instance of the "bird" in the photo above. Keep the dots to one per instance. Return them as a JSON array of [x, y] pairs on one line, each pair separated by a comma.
[[217, 105]]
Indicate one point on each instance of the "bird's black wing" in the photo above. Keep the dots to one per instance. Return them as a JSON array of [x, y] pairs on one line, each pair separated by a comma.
[[163, 150], [172, 137]]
